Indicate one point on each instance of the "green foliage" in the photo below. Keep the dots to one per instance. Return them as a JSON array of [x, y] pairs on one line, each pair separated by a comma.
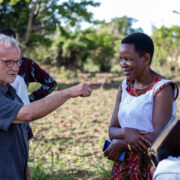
[[122, 26], [12, 2], [167, 43], [66, 74], [72, 52], [33, 86], [34, 20], [14, 16], [49, 32], [40, 171], [79, 46], [42, 54], [102, 47], [45, 30]]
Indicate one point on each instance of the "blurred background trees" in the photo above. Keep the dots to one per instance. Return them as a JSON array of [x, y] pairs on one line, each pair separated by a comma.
[[49, 31]]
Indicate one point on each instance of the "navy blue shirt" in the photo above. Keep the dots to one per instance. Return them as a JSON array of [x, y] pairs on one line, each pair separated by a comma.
[[14, 145]]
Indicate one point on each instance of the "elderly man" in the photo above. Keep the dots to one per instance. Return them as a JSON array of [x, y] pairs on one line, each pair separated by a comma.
[[30, 72], [14, 116]]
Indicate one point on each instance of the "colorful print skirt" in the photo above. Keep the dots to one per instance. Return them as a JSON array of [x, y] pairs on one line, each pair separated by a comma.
[[135, 166]]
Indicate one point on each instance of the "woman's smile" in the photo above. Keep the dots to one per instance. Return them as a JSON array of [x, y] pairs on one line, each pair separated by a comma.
[[127, 72]]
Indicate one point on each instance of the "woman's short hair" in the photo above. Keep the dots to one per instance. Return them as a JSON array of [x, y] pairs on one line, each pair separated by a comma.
[[142, 43]]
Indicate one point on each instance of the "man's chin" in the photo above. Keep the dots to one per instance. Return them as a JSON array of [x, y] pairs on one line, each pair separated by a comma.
[[12, 80]]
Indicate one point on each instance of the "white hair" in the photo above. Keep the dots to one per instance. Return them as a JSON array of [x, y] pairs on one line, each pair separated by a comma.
[[7, 41]]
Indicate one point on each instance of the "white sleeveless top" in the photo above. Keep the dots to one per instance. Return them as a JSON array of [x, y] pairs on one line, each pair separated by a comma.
[[21, 89], [136, 111]]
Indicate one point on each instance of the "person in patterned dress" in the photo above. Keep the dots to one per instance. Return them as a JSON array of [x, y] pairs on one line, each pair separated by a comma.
[[145, 102]]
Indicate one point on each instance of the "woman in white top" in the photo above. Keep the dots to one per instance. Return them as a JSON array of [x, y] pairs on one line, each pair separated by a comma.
[[145, 103]]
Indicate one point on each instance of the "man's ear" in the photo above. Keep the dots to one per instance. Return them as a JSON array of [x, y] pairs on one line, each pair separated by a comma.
[[147, 58]]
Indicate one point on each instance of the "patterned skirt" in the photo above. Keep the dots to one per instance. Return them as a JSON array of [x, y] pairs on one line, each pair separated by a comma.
[[135, 166]]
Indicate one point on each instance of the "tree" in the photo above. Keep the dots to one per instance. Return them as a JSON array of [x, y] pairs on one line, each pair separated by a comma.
[[167, 44], [120, 26], [102, 49], [77, 46], [74, 51], [36, 20]]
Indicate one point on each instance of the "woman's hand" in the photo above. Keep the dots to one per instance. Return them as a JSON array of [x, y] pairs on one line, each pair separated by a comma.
[[115, 149], [136, 139]]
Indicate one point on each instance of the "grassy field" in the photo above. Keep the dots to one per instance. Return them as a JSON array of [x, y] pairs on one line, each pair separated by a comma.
[[68, 143]]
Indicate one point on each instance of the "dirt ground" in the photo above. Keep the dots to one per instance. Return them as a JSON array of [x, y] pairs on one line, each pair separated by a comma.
[[68, 143]]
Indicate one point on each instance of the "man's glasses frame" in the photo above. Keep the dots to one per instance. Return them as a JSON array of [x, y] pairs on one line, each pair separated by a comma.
[[10, 63]]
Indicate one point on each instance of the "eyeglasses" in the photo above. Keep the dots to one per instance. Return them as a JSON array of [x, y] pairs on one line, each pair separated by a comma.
[[10, 63]]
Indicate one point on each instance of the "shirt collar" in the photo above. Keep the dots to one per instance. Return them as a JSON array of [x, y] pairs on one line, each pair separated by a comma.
[[4, 90]]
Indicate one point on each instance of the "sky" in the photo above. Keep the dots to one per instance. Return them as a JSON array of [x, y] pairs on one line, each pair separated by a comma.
[[146, 12]]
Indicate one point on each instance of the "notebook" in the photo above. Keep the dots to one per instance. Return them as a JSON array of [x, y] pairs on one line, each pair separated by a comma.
[[167, 143]]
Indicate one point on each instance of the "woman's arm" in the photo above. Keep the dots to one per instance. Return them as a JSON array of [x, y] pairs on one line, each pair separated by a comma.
[[162, 111], [115, 131]]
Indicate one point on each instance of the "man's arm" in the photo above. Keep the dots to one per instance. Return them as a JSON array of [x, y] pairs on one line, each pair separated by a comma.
[[43, 107], [31, 72]]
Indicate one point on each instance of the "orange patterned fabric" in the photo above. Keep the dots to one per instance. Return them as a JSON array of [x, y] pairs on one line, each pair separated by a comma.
[[135, 166], [167, 84], [138, 92]]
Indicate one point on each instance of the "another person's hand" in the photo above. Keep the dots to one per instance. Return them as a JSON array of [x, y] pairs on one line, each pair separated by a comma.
[[83, 89], [115, 149], [136, 140]]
